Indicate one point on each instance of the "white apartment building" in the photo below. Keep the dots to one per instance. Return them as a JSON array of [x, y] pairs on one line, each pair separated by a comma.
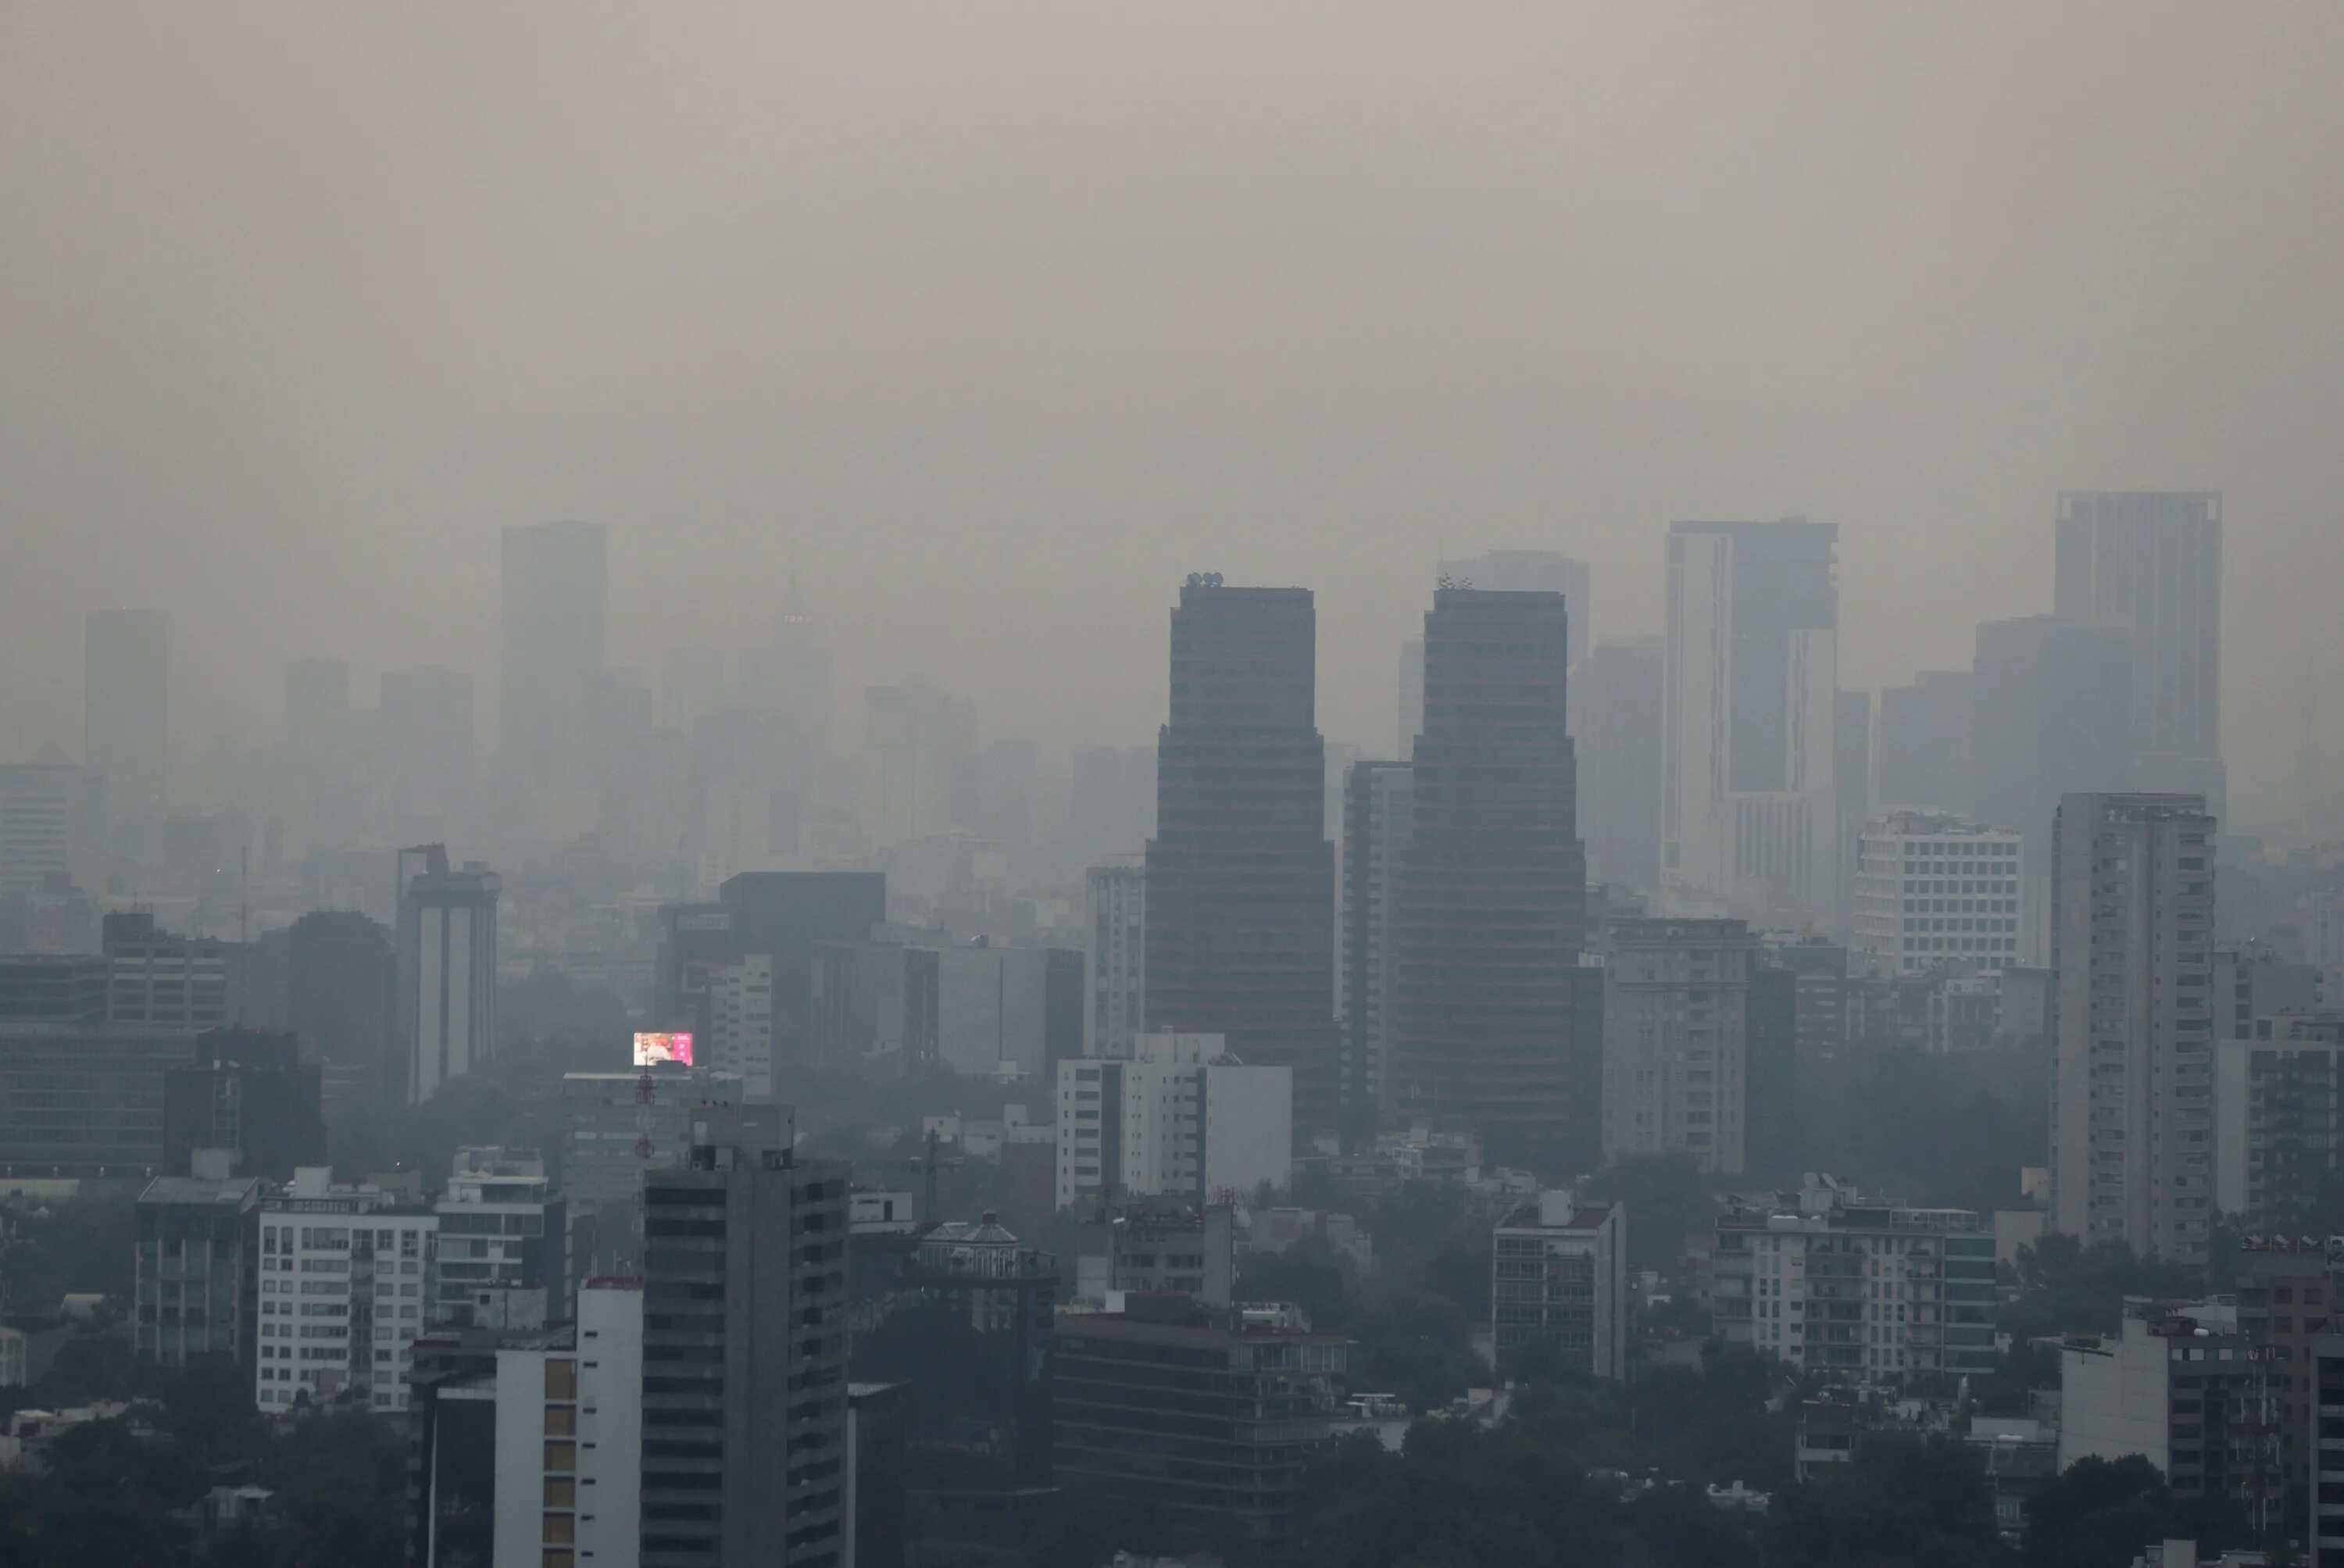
[[1560, 1273], [741, 1024], [570, 1436], [2132, 961], [504, 1235], [1115, 949], [1180, 1118], [1933, 888], [346, 1279], [1676, 1008]]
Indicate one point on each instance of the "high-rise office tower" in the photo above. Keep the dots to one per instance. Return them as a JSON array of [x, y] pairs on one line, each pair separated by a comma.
[[52, 824], [1617, 696], [446, 999], [1751, 688], [1926, 746], [2132, 954], [317, 703], [126, 722], [1412, 695], [744, 1349], [2152, 561], [1378, 819], [2053, 718], [1532, 571], [1115, 959], [1240, 876], [1676, 1021], [428, 743], [557, 600], [1493, 887]]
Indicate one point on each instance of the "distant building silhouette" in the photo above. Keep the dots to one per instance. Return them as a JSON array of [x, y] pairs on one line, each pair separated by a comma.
[[555, 627]]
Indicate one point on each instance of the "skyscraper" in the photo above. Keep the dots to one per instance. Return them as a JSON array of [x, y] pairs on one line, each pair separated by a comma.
[[127, 717], [555, 629], [1378, 818], [446, 982], [1494, 886], [1617, 696], [1240, 877], [1751, 687], [2132, 953], [428, 744], [2152, 562], [1532, 572], [2052, 718], [744, 1349]]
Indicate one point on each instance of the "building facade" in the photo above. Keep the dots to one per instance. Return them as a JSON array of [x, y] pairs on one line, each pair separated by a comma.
[[197, 1263], [1934, 889], [1749, 792], [2132, 949], [2151, 561], [345, 1280], [447, 981], [1240, 937], [2279, 1120], [1492, 894], [1857, 1288], [1560, 1275], [1115, 958], [504, 1243], [1616, 698], [52, 824], [1378, 821], [1676, 996], [1180, 1118], [744, 1349]]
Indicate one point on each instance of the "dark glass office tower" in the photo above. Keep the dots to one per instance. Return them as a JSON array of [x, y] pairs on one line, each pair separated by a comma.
[[1240, 876], [1494, 886]]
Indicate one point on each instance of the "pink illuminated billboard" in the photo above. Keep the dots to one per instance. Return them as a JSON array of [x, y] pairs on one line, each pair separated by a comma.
[[651, 1050]]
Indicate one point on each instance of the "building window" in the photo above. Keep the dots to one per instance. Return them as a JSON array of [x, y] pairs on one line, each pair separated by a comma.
[[561, 1379]]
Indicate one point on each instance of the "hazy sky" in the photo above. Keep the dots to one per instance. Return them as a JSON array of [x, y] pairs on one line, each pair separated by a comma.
[[1001, 319]]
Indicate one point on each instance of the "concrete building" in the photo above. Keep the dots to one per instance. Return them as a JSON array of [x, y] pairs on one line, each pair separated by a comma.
[[127, 721], [338, 974], [1010, 1012], [1136, 1250], [555, 626], [1180, 1118], [1751, 824], [198, 1262], [1675, 1038], [2132, 947], [248, 1092], [1924, 751], [347, 1274], [2182, 1388], [2052, 717], [85, 1100], [52, 824], [2279, 1119], [1378, 821], [2251, 981], [1115, 958], [744, 1403], [1229, 1439], [527, 1445], [614, 1127], [504, 1243], [1240, 936], [784, 914], [446, 996], [1617, 705], [737, 1000], [2151, 561], [1934, 889], [1560, 1275], [1857, 1288], [1493, 905], [159, 980]]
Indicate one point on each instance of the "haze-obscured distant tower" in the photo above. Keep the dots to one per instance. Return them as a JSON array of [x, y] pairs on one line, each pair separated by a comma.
[[1926, 743], [1494, 886], [126, 719], [1240, 876], [555, 628], [428, 743], [1617, 696], [1753, 681], [50, 824], [2152, 561], [2132, 956], [1378, 820]]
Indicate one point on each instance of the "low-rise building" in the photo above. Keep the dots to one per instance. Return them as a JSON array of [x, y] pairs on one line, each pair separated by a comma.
[[196, 1268], [504, 1243], [1866, 1290], [1180, 1118], [1560, 1275], [1228, 1436], [1135, 1250]]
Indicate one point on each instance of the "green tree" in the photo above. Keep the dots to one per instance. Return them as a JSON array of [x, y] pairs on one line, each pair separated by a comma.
[[1898, 1503], [1669, 1200], [2100, 1513]]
